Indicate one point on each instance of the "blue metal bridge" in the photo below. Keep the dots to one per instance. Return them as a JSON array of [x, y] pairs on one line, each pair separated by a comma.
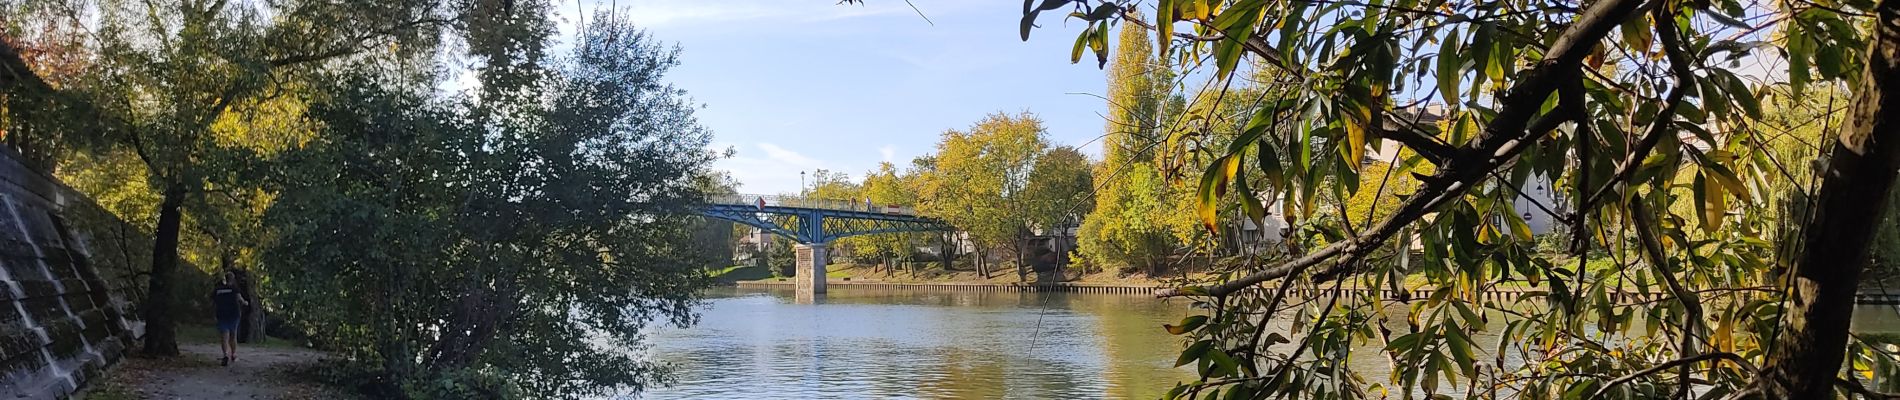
[[816, 221]]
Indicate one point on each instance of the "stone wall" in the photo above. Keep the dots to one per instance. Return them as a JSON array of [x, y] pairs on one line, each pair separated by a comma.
[[72, 276]]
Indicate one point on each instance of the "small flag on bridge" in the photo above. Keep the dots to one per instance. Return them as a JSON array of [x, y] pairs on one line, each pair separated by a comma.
[[761, 204]]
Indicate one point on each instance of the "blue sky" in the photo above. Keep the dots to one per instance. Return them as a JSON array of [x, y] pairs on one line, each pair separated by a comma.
[[797, 85]]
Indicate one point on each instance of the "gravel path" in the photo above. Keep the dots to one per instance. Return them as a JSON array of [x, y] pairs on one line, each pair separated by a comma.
[[259, 373]]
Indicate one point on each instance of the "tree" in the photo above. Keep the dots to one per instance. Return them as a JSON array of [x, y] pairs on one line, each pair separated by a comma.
[[885, 187], [837, 188], [507, 247], [1631, 106], [160, 79], [43, 52], [1059, 192], [1127, 226], [1060, 189], [977, 179]]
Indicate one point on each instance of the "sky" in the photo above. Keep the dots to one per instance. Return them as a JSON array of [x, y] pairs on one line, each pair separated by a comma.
[[800, 85]]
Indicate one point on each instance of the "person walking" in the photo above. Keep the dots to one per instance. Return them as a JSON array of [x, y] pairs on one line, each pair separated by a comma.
[[228, 301]]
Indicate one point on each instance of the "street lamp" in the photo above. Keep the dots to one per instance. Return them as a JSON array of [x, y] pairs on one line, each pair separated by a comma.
[[801, 183]]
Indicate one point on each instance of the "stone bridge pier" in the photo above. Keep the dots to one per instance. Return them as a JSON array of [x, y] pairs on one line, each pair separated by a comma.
[[809, 269]]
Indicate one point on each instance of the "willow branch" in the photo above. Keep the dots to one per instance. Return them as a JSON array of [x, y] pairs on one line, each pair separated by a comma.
[[1679, 66], [1504, 137]]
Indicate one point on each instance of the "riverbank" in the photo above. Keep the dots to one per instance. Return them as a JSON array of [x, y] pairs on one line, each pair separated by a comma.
[[871, 273], [276, 369], [867, 277]]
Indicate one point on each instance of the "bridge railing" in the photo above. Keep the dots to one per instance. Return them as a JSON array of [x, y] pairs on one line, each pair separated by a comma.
[[766, 200]]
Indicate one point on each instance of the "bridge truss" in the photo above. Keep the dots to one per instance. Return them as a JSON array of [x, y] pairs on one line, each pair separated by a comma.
[[809, 221]]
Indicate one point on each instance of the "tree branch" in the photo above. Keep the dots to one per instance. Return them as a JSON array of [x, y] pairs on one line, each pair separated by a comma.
[[357, 44], [1507, 135], [1862, 390], [1680, 362], [1414, 136], [1679, 66]]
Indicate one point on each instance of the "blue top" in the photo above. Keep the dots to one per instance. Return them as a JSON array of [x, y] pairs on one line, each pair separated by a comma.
[[225, 298]]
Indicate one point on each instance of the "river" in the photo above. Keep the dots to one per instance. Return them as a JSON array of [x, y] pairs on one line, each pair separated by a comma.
[[860, 343]]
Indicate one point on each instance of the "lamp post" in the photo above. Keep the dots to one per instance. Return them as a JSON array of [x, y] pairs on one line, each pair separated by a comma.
[[801, 183]]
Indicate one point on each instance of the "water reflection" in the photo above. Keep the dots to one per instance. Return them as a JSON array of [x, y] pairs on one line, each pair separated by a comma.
[[922, 344], [859, 343]]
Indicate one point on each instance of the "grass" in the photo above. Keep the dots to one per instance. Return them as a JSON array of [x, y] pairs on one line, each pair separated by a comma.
[[741, 273], [840, 271]]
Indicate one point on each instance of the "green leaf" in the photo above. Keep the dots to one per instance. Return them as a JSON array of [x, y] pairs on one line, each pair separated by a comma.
[[1188, 324], [1450, 67], [1175, 393], [1081, 42], [1164, 23], [1193, 352], [1519, 229], [1270, 164], [1711, 97], [1798, 53], [1239, 392], [1468, 315], [1102, 12], [1830, 61], [1236, 22], [1636, 34], [1460, 348], [1250, 202], [1406, 343], [1224, 364], [1738, 91], [1501, 60], [1480, 52], [1099, 43], [1029, 22]]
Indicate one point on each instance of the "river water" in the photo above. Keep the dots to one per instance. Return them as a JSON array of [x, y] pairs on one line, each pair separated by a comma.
[[859, 343]]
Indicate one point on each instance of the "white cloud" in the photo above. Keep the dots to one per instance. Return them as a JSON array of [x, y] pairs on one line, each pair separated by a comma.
[[889, 152], [766, 168], [673, 13], [780, 154]]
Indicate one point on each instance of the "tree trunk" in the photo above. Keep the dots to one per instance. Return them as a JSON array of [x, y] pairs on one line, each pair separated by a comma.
[[981, 264], [251, 316], [1022, 273], [475, 319], [1805, 361], [947, 253], [161, 337]]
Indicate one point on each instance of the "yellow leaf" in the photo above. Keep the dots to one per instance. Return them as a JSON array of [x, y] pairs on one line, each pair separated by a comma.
[[1356, 134]]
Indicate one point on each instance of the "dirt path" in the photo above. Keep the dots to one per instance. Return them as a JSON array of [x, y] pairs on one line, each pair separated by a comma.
[[259, 373]]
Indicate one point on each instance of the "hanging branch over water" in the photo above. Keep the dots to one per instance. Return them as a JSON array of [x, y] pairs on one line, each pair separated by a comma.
[[1507, 135]]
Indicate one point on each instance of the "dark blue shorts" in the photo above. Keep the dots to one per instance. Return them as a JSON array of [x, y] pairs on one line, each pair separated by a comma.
[[227, 325]]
